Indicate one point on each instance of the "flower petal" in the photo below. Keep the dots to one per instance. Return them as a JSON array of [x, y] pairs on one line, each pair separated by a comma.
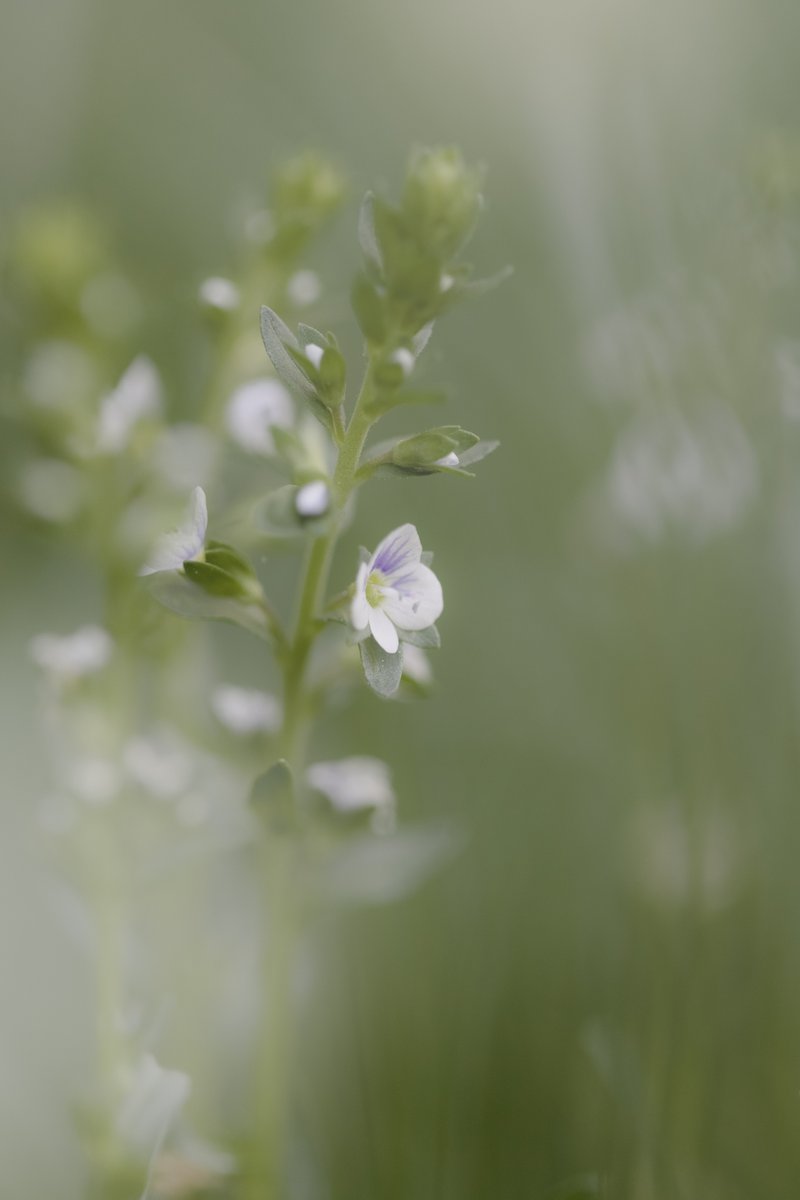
[[181, 545], [359, 609], [383, 631], [415, 601], [397, 553]]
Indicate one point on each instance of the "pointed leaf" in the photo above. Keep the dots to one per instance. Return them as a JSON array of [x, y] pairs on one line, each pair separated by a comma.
[[273, 797], [382, 671], [278, 338], [175, 591], [366, 231], [426, 639], [212, 579]]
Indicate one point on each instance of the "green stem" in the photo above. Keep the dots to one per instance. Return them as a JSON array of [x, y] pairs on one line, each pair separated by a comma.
[[315, 579], [264, 1179]]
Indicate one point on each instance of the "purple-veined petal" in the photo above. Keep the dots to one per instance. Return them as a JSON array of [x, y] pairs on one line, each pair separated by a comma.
[[397, 553], [415, 600], [383, 630]]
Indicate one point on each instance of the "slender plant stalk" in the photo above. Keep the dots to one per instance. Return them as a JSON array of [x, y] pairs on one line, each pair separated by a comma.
[[280, 860]]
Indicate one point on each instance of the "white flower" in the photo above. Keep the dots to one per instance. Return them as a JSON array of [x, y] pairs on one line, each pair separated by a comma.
[[313, 499], [314, 354], [184, 544], [416, 665], [245, 710], [354, 783], [159, 764], [220, 293], [253, 409], [449, 460], [153, 1100], [404, 358], [303, 288], [395, 590], [83, 652], [51, 489], [136, 396]]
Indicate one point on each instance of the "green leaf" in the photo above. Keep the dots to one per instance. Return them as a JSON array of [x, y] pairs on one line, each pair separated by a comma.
[[212, 579], [368, 306], [278, 340], [366, 231], [273, 797], [333, 376], [382, 671], [174, 591], [219, 554], [426, 639], [309, 336]]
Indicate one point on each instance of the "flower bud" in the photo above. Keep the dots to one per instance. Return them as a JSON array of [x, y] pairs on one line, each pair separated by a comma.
[[441, 201]]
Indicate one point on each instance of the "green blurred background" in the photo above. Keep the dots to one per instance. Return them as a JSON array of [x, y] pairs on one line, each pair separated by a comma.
[[601, 992]]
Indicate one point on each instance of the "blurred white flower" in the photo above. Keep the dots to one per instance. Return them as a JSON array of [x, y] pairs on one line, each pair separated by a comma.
[[190, 1167], [677, 859], [404, 358], [416, 665], [94, 780], [220, 293], [159, 764], [303, 288], [152, 1102], [695, 476], [245, 710], [395, 590], [253, 409], [136, 397], [354, 784], [61, 375], [313, 499], [51, 489], [185, 544], [72, 655]]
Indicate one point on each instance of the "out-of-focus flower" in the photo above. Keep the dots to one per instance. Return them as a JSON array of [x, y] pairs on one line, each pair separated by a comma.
[[191, 1167], [159, 764], [72, 655], [395, 591], [354, 784], [136, 397], [303, 288], [185, 544], [152, 1101], [245, 710], [51, 490], [694, 476], [253, 409], [60, 375], [220, 293], [313, 499], [416, 665], [95, 781]]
